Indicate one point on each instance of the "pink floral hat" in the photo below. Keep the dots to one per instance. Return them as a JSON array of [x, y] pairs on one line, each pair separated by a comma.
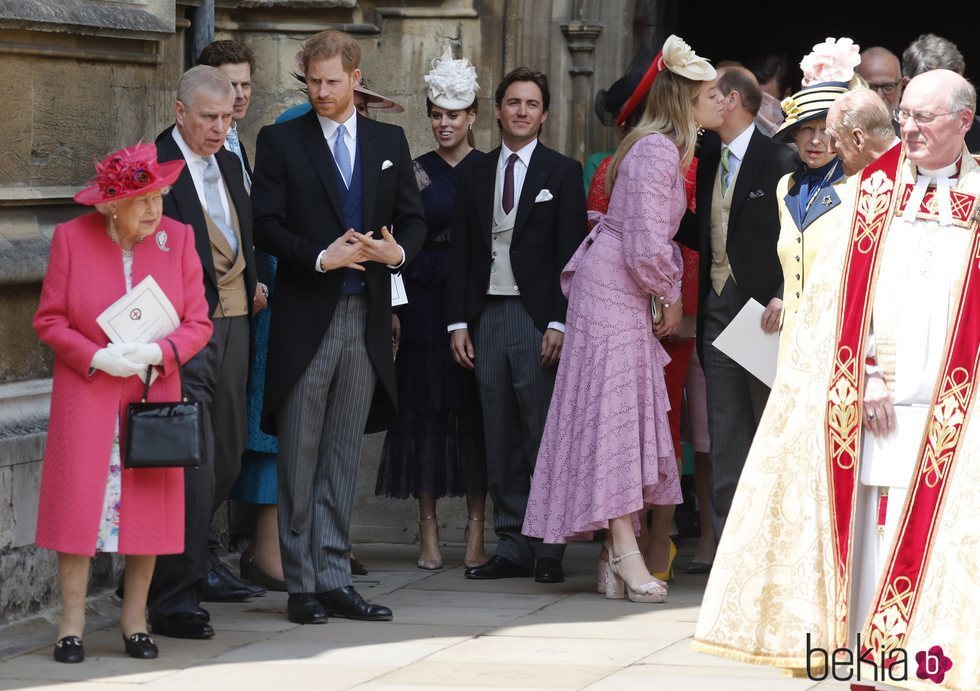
[[129, 172]]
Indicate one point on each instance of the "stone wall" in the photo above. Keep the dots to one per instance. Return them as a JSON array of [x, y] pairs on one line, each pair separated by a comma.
[[79, 78]]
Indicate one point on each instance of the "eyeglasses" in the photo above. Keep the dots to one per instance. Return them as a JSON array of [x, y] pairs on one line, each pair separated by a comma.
[[904, 116], [887, 88]]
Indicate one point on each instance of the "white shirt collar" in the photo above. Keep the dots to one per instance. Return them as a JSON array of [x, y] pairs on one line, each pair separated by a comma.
[[330, 126], [524, 153], [740, 144], [189, 155]]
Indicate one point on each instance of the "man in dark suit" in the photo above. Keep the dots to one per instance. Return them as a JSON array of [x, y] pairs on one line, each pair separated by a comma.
[[321, 180], [735, 231], [237, 61], [519, 217], [210, 196]]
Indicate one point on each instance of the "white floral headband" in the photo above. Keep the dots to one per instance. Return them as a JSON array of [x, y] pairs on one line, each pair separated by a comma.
[[833, 60]]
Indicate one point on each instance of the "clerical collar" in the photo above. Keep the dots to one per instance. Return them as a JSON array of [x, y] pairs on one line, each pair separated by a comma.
[[942, 180], [950, 171]]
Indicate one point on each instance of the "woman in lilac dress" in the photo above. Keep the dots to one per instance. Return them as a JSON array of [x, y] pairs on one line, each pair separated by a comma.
[[607, 452]]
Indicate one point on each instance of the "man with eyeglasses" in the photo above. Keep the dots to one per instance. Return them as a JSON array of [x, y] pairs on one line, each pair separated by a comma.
[[883, 72], [870, 435]]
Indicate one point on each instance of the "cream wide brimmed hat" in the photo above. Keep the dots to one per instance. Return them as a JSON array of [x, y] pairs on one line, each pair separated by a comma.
[[452, 83]]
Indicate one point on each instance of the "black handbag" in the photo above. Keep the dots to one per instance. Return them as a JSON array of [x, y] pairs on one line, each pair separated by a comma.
[[164, 435]]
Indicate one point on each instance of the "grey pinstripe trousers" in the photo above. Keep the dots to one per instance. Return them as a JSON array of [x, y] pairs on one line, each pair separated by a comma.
[[736, 400], [321, 427], [515, 392]]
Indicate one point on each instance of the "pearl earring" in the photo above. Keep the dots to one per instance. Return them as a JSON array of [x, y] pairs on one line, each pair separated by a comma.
[[114, 216]]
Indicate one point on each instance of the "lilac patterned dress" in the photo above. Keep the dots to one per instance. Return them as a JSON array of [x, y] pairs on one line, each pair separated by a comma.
[[607, 450]]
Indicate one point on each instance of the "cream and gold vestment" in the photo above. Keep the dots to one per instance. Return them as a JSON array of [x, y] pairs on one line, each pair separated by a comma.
[[785, 566]]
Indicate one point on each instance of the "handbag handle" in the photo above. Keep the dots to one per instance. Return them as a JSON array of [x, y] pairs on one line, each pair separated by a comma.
[[180, 375]]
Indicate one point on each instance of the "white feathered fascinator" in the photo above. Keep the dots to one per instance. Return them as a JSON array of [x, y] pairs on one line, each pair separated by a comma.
[[452, 83]]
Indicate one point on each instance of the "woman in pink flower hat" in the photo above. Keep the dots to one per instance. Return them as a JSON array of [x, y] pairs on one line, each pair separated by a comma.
[[810, 196], [89, 503]]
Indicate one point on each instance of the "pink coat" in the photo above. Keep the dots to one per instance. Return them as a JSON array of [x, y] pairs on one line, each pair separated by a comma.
[[85, 275]]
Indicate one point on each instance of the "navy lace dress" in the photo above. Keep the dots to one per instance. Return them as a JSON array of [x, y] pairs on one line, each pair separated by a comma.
[[436, 445]]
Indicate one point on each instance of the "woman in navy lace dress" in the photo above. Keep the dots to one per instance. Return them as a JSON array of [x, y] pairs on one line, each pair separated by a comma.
[[436, 447]]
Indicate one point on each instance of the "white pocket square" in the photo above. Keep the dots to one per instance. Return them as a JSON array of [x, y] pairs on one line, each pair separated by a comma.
[[544, 196], [386, 165]]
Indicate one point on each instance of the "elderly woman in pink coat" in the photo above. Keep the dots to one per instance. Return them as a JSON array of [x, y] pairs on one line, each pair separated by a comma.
[[88, 502]]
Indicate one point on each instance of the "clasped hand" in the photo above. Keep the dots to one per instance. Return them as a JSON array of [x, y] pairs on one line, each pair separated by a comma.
[[127, 359], [352, 249]]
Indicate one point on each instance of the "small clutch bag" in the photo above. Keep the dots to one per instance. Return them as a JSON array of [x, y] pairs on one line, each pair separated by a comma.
[[657, 309], [163, 435]]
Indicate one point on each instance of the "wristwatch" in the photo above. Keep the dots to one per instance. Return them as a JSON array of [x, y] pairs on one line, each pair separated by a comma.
[[265, 290]]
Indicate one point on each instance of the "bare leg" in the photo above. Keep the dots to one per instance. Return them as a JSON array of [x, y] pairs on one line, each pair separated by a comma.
[[705, 552], [265, 544], [632, 570], [658, 547], [475, 510], [139, 573], [73, 574], [428, 531]]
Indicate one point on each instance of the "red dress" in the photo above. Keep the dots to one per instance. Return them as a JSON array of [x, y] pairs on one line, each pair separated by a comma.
[[679, 350], [85, 276]]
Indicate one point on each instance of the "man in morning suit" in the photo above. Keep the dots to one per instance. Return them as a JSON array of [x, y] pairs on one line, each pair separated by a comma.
[[519, 217], [210, 196], [735, 231], [320, 180]]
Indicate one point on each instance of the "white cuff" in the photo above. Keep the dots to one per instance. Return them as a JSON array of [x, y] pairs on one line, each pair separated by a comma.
[[399, 264], [557, 326], [319, 264], [456, 326]]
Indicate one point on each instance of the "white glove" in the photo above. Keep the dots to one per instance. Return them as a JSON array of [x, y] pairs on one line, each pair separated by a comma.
[[114, 364], [141, 353]]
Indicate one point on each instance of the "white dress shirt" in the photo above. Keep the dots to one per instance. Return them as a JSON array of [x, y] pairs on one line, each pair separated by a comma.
[[329, 128], [520, 172], [196, 165], [736, 152]]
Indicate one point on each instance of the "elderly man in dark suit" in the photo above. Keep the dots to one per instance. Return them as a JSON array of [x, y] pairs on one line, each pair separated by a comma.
[[330, 189], [735, 230], [519, 217], [210, 196]]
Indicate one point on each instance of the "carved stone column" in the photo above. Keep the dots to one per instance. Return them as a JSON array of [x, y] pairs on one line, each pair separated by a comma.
[[581, 36]]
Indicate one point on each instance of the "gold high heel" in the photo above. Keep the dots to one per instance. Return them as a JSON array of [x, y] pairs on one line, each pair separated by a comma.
[[668, 573], [466, 536], [429, 564], [652, 591]]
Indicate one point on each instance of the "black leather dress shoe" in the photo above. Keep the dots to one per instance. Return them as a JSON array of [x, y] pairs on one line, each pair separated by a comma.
[[203, 614], [497, 567], [181, 625], [141, 646], [69, 649], [548, 570], [304, 608], [224, 586], [348, 603]]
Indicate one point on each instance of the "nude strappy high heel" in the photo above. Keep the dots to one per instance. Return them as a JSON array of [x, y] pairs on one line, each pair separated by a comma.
[[652, 591]]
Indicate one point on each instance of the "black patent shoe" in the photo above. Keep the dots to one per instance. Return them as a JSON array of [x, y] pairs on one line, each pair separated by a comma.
[[69, 649], [348, 603], [141, 646], [303, 608]]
